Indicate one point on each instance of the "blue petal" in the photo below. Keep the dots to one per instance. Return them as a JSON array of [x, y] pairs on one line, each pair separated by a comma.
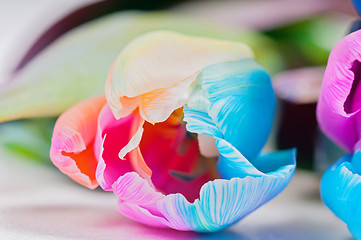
[[234, 103], [232, 163], [241, 103], [225, 202], [341, 191]]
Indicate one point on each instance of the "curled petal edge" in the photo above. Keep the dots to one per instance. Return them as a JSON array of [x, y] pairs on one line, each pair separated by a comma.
[[73, 139], [222, 202]]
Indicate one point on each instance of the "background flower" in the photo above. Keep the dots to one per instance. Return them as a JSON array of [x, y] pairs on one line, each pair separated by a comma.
[[338, 113], [340, 99]]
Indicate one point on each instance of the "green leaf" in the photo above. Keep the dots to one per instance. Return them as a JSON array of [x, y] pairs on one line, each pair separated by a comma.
[[76, 65]]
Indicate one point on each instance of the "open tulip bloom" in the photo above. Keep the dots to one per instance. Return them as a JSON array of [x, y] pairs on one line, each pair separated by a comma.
[[177, 136], [339, 115]]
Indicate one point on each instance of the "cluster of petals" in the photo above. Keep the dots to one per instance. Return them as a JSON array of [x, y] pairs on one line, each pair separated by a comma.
[[178, 135], [338, 114]]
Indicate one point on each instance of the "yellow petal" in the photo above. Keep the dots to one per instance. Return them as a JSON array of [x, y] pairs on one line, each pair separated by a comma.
[[161, 60], [157, 105]]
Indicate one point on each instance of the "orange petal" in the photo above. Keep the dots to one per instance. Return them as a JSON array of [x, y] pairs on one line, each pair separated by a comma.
[[72, 147]]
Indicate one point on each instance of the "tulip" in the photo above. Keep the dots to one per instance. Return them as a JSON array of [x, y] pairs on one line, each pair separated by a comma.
[[174, 104], [338, 114], [340, 99]]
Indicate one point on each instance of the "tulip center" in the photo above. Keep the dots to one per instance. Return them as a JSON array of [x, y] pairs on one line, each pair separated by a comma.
[[353, 100], [174, 156]]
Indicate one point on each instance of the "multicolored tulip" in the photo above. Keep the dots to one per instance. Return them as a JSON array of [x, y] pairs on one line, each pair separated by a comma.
[[174, 105], [338, 113]]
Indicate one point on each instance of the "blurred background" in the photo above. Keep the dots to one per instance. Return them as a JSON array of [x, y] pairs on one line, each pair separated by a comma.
[[40, 42]]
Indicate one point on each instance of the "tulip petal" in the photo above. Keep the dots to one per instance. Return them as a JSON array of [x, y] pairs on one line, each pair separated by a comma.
[[338, 108], [138, 200], [72, 149], [177, 156], [231, 162], [221, 203], [117, 139], [248, 184], [224, 202], [240, 101], [341, 191], [144, 57], [157, 105], [132, 144], [139, 69]]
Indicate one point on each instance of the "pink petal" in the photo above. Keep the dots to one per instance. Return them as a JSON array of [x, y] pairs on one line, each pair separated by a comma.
[[138, 200], [112, 137], [338, 109], [72, 142], [165, 152]]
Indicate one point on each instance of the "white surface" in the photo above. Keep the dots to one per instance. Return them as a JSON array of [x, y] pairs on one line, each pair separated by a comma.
[[38, 202]]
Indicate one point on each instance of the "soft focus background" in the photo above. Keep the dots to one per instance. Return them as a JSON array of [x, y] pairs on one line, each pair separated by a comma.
[[291, 39]]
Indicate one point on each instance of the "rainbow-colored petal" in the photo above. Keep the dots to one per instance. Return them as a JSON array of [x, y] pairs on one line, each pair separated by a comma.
[[224, 202], [221, 203]]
